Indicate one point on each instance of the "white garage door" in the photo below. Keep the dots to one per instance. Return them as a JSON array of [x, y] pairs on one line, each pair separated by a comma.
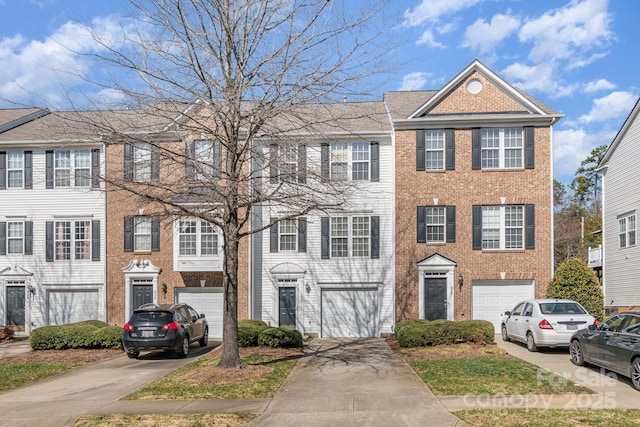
[[492, 299], [73, 306], [350, 312], [207, 301]]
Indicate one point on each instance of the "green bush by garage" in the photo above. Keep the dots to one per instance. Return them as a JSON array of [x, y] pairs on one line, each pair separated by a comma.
[[416, 333], [91, 334], [258, 333]]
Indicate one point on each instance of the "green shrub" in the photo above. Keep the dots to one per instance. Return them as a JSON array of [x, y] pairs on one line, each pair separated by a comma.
[[574, 280], [415, 333], [248, 332], [88, 334], [280, 337]]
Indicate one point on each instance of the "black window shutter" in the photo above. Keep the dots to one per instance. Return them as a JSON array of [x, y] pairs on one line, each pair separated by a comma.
[[324, 237], [28, 237], [273, 163], [302, 163], [95, 168], [155, 164], [128, 234], [3, 238], [451, 224], [3, 170], [375, 161], [529, 147], [190, 154], [49, 241], [217, 159], [450, 152], [530, 221], [302, 235], [421, 224], [375, 237], [477, 227], [420, 153], [476, 151], [274, 245], [155, 235], [324, 161], [128, 162], [28, 170], [49, 169], [95, 240]]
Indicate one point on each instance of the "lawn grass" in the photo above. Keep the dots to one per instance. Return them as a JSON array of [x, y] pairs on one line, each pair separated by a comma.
[[165, 420], [492, 376], [187, 382], [14, 375], [551, 417]]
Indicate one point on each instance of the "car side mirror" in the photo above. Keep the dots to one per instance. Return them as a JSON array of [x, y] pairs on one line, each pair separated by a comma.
[[593, 327], [507, 313], [201, 315]]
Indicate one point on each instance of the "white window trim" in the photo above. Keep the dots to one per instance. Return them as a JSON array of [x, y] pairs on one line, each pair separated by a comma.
[[503, 227], [349, 160], [141, 160], [198, 234], [623, 221], [72, 168], [502, 149], [442, 150], [281, 234], [350, 237], [137, 220], [443, 225], [15, 169], [72, 240]]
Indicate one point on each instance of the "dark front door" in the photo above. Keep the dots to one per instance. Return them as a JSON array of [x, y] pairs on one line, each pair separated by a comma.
[[435, 298], [287, 307], [15, 307], [142, 294]]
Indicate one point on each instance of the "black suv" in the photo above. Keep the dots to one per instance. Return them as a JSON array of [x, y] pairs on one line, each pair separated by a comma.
[[164, 327]]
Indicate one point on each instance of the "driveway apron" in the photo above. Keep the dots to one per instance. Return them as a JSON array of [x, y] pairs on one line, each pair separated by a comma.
[[354, 382]]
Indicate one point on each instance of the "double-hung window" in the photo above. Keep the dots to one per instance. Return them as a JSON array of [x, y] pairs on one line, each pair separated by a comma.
[[350, 236], [72, 168], [501, 148], [203, 151], [435, 222], [15, 169], [627, 230], [355, 161], [434, 149], [15, 237], [72, 240], [197, 237], [142, 234], [142, 162], [288, 235], [503, 227]]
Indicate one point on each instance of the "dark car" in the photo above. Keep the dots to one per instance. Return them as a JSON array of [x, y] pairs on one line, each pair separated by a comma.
[[164, 327], [614, 345]]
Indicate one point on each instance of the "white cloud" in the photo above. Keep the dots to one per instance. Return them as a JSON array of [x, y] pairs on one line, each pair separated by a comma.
[[432, 10], [598, 85], [483, 36], [568, 33], [615, 105], [428, 39], [414, 81], [572, 146]]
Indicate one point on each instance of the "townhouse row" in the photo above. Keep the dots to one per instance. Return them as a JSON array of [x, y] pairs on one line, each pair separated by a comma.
[[449, 215]]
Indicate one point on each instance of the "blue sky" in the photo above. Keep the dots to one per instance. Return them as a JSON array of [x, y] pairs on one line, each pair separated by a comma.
[[580, 57]]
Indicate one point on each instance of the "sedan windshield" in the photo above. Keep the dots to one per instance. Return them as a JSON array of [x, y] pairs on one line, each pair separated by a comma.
[[561, 308]]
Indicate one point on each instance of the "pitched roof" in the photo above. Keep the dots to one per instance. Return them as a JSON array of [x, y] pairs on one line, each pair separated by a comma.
[[621, 134], [12, 118]]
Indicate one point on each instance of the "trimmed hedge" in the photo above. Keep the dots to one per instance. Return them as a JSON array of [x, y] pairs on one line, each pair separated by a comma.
[[280, 337], [415, 333], [248, 332], [87, 334]]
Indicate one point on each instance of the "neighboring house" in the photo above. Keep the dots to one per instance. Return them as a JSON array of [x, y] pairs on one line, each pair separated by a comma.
[[473, 198], [330, 273], [52, 221], [620, 207]]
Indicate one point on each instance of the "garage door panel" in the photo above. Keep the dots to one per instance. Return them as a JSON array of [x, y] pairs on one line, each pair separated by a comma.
[[350, 313], [207, 303], [72, 306], [492, 299]]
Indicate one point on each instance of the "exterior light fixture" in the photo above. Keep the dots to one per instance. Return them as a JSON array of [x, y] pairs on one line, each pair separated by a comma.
[[164, 288], [460, 280]]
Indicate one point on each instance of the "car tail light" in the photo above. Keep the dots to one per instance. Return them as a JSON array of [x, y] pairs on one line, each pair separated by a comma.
[[128, 327], [595, 322], [173, 326], [544, 324]]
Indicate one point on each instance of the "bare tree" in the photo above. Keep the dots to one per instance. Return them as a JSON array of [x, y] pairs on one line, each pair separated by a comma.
[[259, 79]]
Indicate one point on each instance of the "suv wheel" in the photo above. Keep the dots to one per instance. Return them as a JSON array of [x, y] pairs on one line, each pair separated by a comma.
[[184, 348], [205, 338], [132, 354]]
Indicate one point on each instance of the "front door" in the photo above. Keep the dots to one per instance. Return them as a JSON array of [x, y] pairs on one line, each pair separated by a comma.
[[435, 298], [142, 294], [287, 300], [15, 307]]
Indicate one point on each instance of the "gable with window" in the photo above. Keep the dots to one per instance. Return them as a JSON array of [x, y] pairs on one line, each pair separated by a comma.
[[627, 230], [204, 160], [355, 161], [72, 168], [72, 240], [502, 148], [16, 169], [436, 224], [288, 235], [16, 237], [141, 234], [350, 236], [435, 149], [503, 227], [141, 162], [287, 163]]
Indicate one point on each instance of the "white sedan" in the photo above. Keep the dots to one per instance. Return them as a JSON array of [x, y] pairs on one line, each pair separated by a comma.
[[545, 322]]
